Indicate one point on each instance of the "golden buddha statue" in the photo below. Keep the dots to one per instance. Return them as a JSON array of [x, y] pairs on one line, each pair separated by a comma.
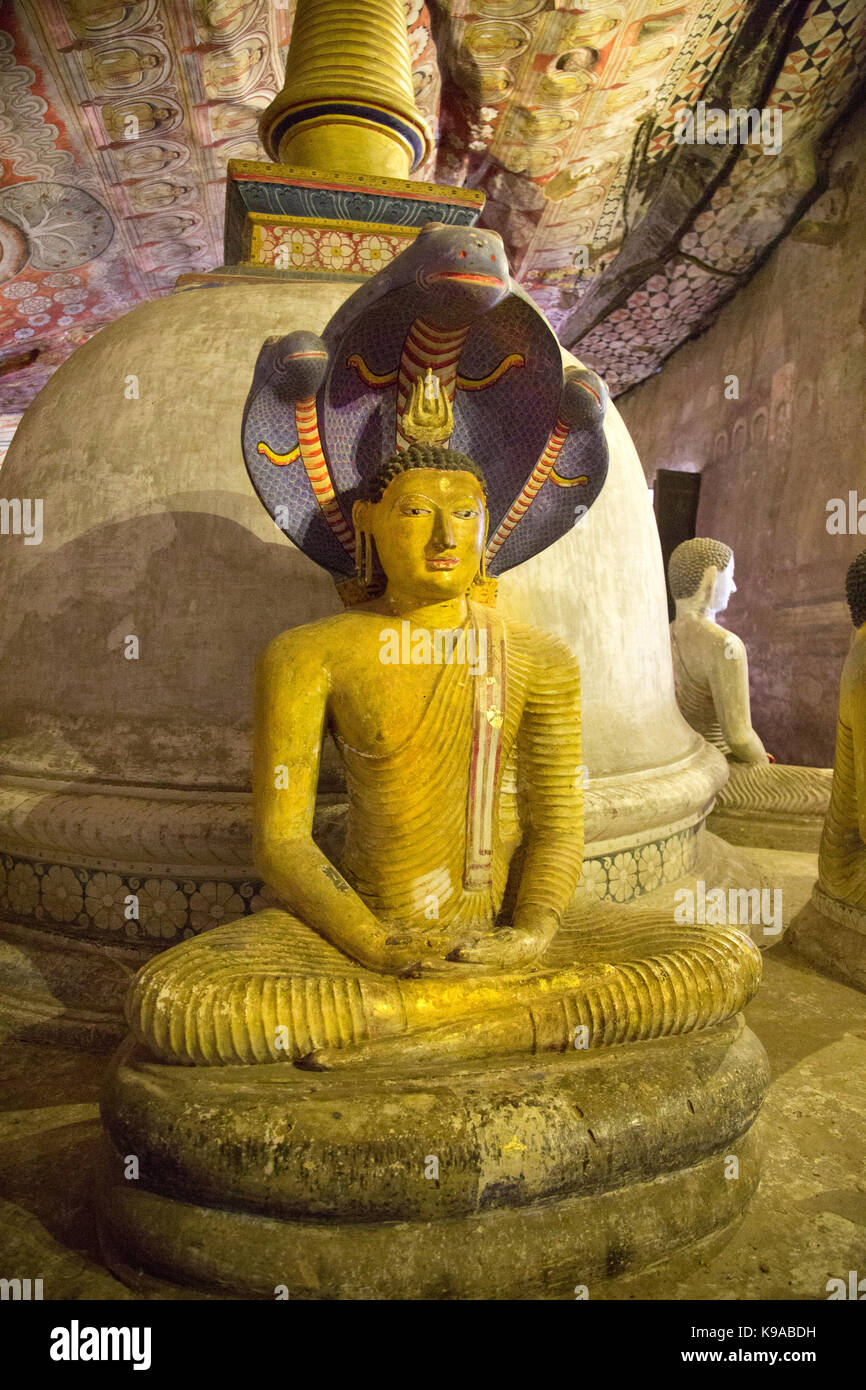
[[831, 930], [842, 856], [763, 803], [443, 929], [463, 845], [444, 937]]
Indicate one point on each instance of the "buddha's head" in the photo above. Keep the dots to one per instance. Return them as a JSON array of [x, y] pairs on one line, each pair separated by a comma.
[[855, 589], [701, 575], [426, 511], [581, 59]]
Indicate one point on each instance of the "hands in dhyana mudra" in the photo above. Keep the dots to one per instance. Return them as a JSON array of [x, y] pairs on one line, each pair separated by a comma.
[[461, 950]]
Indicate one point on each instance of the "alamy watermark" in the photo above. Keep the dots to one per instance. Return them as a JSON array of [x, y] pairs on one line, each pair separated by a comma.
[[20, 1289], [846, 517], [441, 647], [738, 907], [854, 1288], [77, 1343], [711, 125], [22, 516]]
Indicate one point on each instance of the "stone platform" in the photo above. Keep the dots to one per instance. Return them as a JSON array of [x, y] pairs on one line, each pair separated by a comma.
[[772, 806], [806, 1224], [831, 935], [492, 1181]]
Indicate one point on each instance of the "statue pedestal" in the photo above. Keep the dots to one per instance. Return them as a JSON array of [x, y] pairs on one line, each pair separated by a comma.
[[505, 1180], [772, 806], [832, 936]]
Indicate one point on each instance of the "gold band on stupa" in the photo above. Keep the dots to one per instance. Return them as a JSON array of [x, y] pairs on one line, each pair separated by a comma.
[[348, 100]]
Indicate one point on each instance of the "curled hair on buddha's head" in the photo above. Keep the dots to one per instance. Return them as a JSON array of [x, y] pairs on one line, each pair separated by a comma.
[[690, 561], [855, 589], [418, 456]]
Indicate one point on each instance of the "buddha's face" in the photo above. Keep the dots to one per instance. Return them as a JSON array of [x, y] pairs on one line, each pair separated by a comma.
[[430, 527], [724, 587]]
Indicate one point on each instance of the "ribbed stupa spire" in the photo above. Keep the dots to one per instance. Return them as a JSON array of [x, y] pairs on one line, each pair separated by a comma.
[[347, 104]]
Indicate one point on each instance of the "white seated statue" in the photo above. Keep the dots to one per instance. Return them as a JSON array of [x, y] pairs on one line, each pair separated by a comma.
[[763, 803]]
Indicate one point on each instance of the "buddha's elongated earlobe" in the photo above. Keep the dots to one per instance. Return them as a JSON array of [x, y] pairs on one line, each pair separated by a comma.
[[482, 569], [368, 558], [363, 555]]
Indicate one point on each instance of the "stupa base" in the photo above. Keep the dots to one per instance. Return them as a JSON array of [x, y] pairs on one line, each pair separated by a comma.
[[499, 1181], [61, 992]]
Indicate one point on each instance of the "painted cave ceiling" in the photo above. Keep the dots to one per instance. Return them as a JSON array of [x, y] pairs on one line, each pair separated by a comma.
[[563, 114]]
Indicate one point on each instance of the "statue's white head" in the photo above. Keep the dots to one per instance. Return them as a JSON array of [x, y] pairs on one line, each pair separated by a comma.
[[701, 576]]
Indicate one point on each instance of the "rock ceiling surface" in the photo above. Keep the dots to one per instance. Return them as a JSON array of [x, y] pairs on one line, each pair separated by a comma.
[[563, 114]]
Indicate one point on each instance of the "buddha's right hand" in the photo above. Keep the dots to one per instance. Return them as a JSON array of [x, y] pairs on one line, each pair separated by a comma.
[[398, 953], [380, 949]]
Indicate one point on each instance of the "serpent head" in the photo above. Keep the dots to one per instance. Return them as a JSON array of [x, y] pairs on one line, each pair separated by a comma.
[[584, 398], [300, 361], [463, 269]]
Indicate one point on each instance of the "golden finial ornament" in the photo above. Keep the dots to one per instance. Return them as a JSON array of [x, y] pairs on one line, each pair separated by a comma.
[[347, 104]]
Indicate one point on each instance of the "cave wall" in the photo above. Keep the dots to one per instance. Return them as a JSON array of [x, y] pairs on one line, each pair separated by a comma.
[[775, 446]]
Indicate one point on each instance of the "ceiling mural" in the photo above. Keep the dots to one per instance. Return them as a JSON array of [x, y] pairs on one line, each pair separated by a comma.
[[753, 205], [117, 119], [564, 93], [117, 123]]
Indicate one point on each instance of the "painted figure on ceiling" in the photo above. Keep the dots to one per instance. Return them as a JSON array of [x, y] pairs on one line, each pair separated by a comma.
[[88, 17], [488, 42], [141, 117], [137, 160], [147, 196], [233, 118], [219, 19], [589, 26], [228, 71], [108, 69]]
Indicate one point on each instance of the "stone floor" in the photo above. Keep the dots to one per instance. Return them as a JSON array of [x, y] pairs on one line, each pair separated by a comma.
[[806, 1225]]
